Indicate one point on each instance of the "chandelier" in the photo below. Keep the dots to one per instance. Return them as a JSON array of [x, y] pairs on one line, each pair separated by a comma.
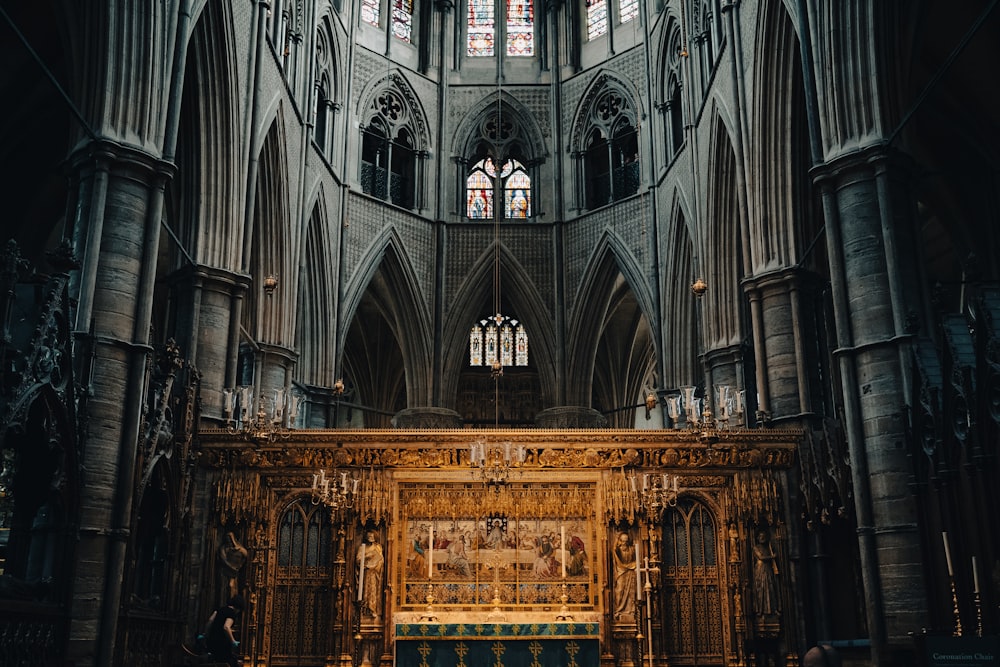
[[655, 493], [494, 463], [333, 495], [696, 411], [265, 418]]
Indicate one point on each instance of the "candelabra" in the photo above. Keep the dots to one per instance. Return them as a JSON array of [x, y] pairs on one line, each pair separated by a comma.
[[260, 419], [335, 496], [494, 463], [655, 494]]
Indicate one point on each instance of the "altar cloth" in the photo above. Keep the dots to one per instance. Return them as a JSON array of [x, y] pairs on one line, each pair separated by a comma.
[[498, 645]]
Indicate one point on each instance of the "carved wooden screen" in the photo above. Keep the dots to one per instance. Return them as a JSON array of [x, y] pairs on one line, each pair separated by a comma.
[[692, 607], [302, 609]]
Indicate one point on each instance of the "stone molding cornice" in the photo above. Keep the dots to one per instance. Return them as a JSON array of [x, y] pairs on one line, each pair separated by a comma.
[[705, 451]]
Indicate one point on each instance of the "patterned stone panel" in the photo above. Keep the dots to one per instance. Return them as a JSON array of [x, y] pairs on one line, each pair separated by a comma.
[[465, 245], [366, 221], [581, 237], [630, 221], [532, 248]]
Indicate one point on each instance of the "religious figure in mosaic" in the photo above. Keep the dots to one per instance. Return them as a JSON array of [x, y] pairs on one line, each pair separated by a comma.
[[625, 562]]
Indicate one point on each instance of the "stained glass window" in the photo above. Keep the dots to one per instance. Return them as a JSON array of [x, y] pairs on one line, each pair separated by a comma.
[[628, 10], [498, 338], [521, 28], [517, 191], [481, 28], [597, 18], [479, 190], [402, 19], [369, 11], [484, 180]]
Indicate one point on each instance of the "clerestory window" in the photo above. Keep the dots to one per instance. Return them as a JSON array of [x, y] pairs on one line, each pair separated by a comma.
[[509, 22]]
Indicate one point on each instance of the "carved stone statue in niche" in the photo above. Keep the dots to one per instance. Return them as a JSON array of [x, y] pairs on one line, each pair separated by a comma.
[[624, 557], [766, 598], [371, 563]]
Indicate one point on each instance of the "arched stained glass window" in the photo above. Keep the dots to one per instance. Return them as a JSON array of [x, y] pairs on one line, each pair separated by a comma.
[[597, 18], [482, 186], [402, 19]]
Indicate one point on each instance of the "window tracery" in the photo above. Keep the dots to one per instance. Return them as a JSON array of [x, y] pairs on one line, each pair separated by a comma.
[[389, 151], [610, 150]]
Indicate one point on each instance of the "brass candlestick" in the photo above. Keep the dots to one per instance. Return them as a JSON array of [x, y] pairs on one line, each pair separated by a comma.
[[954, 609], [429, 616], [979, 613], [564, 614]]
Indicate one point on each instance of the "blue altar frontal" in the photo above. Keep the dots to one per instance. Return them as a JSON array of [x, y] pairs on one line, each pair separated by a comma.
[[560, 644]]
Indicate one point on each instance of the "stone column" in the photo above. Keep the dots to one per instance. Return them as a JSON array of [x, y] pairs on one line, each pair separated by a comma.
[[114, 355], [865, 281], [203, 299]]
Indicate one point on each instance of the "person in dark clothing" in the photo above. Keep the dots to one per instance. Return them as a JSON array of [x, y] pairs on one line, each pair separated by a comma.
[[219, 638]]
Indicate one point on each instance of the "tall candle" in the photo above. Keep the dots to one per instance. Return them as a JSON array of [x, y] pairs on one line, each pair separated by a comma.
[[430, 553], [562, 545], [638, 559], [361, 582], [975, 577], [947, 553]]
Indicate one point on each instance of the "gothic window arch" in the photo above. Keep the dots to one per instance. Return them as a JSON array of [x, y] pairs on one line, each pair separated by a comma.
[[673, 117], [706, 33], [500, 171], [609, 155], [325, 88], [284, 33], [507, 22], [390, 156]]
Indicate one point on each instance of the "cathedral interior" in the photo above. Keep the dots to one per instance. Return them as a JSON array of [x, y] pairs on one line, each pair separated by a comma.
[[612, 333]]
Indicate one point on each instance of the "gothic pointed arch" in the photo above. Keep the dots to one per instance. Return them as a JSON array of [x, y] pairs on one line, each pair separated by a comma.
[[604, 141], [498, 148], [721, 251], [781, 224], [519, 296], [329, 87], [269, 319], [387, 353], [395, 137], [203, 199], [670, 88], [612, 294], [679, 327], [314, 332]]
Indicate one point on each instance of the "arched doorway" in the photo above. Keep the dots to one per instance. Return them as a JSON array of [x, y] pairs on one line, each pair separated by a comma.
[[692, 587], [302, 606]]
